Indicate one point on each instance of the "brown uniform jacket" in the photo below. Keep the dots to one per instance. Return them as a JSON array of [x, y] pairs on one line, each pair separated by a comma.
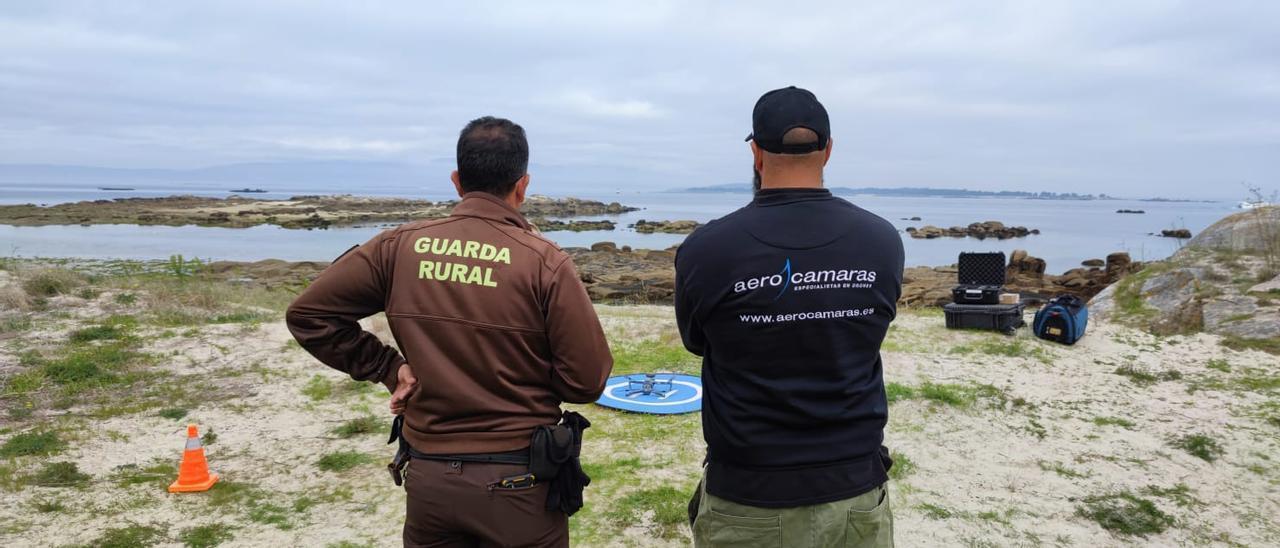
[[491, 317]]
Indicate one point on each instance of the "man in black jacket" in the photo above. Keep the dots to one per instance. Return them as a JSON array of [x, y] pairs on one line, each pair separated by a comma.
[[787, 300]]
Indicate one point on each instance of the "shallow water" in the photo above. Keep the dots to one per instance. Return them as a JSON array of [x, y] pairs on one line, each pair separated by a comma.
[[1071, 231]]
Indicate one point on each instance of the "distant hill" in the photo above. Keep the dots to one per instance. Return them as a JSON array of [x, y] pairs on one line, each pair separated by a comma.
[[921, 192]]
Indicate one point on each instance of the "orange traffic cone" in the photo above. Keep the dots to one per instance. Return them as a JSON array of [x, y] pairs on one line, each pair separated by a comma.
[[193, 474]]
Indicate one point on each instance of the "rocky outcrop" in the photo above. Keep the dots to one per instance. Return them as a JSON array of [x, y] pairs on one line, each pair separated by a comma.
[[1131, 211], [546, 225], [1180, 233], [981, 231], [666, 227], [1025, 274], [296, 212], [1224, 281], [614, 275], [1255, 230]]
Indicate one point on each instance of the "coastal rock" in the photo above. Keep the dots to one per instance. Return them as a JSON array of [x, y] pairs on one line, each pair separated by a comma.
[[604, 247], [667, 227], [296, 212], [1093, 262], [1254, 230], [1180, 233], [546, 225], [641, 276], [1132, 211], [1200, 287], [981, 231]]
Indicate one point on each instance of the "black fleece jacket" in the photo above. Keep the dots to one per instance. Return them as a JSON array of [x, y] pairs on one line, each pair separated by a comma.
[[787, 300]]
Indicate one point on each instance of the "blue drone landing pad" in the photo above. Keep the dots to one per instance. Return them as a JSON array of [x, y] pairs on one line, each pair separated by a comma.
[[658, 393]]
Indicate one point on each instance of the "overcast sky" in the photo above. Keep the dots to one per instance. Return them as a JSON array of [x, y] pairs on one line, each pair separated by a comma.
[[1127, 98]]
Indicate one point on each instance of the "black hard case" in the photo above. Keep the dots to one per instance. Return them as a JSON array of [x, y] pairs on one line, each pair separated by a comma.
[[1005, 318], [981, 278]]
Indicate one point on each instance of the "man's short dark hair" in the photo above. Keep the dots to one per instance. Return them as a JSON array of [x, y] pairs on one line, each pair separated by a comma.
[[492, 155]]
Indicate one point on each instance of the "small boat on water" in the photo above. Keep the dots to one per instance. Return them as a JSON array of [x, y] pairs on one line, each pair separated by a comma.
[[249, 191], [1253, 204], [116, 188]]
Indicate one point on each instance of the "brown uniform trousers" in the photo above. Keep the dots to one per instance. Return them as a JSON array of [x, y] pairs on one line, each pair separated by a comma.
[[452, 504]]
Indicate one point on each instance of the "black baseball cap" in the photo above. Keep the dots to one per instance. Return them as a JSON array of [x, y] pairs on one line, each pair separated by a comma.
[[783, 110]]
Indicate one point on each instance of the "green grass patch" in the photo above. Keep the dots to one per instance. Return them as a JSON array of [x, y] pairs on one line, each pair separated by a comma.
[[903, 466], [133, 536], [933, 511], [46, 506], [1125, 513], [668, 504], [1061, 470], [1113, 421], [1143, 377], [1200, 446], [947, 394], [1129, 303], [1180, 494], [1219, 364], [125, 298], [1271, 346], [158, 473], [1004, 346], [340, 461], [48, 282], [206, 536], [58, 474], [267, 513], [360, 426], [97, 333], [320, 388], [232, 493], [896, 392], [32, 444], [617, 468], [172, 413], [653, 355]]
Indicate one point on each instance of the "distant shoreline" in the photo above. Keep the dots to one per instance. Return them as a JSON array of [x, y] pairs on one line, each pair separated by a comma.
[[927, 192]]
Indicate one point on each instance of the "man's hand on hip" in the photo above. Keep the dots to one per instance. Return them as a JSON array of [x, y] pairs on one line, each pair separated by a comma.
[[406, 385]]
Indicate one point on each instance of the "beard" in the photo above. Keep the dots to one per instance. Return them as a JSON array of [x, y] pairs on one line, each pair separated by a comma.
[[755, 180]]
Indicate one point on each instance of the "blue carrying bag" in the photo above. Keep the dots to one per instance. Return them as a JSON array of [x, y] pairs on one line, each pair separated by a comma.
[[1063, 319]]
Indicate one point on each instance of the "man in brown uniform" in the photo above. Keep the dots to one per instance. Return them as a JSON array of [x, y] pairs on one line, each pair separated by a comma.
[[496, 330]]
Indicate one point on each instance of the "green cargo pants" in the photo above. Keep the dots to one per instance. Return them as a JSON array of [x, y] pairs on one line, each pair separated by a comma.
[[864, 521]]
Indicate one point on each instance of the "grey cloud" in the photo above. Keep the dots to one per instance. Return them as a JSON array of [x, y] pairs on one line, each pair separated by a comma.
[[1124, 98]]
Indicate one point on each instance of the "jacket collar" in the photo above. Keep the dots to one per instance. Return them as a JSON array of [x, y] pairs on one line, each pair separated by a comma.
[[487, 206], [780, 196]]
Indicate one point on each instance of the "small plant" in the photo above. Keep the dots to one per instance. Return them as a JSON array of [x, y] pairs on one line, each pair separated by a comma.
[[1219, 364], [895, 392], [1200, 445], [668, 504], [209, 438], [355, 427], [133, 536], [206, 536], [1061, 469], [1113, 421], [933, 511], [49, 506], [32, 444], [341, 461], [174, 413], [903, 466], [49, 282], [59, 474], [1125, 513], [1145, 378], [182, 268], [125, 298]]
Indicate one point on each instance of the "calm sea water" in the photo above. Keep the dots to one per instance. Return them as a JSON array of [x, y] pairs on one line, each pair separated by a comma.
[[1071, 231]]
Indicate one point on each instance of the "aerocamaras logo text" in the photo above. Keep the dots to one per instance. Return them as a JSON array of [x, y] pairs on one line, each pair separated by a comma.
[[443, 271], [811, 279]]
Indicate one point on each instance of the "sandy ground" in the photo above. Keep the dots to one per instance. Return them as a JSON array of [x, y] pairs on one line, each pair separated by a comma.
[[981, 475]]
